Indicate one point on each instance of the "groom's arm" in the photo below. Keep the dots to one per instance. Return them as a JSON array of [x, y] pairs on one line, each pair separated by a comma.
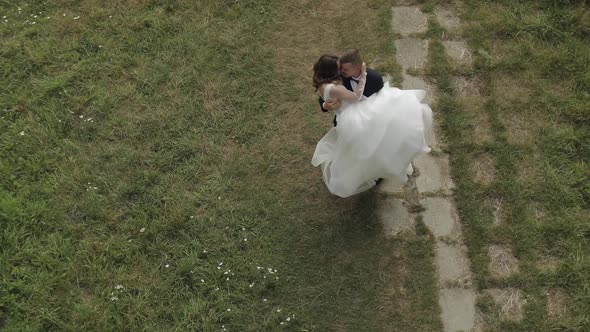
[[322, 105], [374, 81], [327, 106]]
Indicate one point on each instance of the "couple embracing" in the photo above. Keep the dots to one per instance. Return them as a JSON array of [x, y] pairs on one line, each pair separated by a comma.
[[378, 130]]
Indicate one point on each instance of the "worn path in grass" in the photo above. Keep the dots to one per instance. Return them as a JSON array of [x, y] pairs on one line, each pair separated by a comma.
[[514, 117], [431, 186]]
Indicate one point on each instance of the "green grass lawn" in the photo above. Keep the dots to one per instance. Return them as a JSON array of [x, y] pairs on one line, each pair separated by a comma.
[[521, 154], [155, 173]]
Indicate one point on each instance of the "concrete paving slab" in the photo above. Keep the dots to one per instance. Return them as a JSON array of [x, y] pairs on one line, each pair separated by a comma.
[[434, 174], [458, 309], [452, 263], [408, 19], [411, 53], [440, 216]]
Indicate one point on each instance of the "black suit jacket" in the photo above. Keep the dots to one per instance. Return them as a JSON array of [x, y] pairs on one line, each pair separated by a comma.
[[373, 85]]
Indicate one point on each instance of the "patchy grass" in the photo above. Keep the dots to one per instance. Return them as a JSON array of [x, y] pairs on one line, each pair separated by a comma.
[[531, 60], [155, 174]]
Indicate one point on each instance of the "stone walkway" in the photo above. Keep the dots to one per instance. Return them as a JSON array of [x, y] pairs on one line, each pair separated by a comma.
[[431, 185]]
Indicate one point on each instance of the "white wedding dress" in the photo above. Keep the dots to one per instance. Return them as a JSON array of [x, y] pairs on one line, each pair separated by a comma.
[[375, 138]]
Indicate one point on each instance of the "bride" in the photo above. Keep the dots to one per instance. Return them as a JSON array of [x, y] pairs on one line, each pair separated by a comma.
[[375, 138]]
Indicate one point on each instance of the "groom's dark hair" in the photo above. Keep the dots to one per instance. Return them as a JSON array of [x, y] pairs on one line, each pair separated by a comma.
[[352, 56]]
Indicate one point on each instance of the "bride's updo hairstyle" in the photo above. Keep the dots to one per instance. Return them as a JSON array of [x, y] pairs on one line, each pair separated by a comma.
[[325, 70]]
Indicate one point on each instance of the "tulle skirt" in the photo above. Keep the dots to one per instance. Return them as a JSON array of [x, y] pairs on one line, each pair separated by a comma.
[[377, 138]]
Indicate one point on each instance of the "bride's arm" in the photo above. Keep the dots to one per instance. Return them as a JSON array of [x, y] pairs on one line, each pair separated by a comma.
[[342, 93]]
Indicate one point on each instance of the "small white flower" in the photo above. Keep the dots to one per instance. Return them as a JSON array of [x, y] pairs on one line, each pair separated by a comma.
[[81, 116], [119, 286], [77, 17], [243, 229], [252, 285], [264, 300], [22, 133], [221, 263], [245, 240], [64, 14], [114, 298], [33, 22], [227, 279], [219, 267], [167, 265], [204, 251], [225, 272], [192, 217], [282, 323], [216, 288], [203, 281], [278, 310], [110, 16], [288, 319], [142, 230], [228, 309], [219, 197]]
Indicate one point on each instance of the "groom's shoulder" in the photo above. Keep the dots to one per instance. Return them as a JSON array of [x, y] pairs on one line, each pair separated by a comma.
[[373, 74]]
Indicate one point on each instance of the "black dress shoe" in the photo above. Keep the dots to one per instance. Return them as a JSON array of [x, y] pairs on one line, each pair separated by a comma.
[[378, 181]]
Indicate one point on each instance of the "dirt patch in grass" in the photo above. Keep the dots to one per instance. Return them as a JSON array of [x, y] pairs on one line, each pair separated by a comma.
[[496, 205], [502, 261], [549, 263], [510, 302], [522, 128], [466, 86], [478, 119], [557, 302], [530, 167], [484, 170]]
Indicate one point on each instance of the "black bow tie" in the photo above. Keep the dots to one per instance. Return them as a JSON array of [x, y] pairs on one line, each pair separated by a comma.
[[352, 79]]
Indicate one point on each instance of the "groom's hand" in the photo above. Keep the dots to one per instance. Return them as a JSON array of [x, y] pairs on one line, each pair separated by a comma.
[[332, 105]]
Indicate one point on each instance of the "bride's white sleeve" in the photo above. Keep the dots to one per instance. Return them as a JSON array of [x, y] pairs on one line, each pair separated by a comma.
[[340, 92], [360, 87]]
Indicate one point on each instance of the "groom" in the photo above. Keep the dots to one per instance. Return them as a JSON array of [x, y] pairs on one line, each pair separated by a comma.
[[350, 71]]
